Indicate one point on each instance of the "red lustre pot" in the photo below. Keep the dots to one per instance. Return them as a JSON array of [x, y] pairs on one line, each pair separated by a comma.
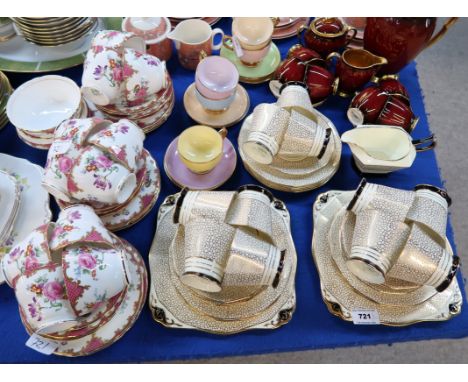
[[326, 35], [354, 69], [401, 39]]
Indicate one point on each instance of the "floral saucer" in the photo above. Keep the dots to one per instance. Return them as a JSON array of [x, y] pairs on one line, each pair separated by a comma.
[[182, 177], [34, 209], [262, 72], [341, 296], [235, 113], [124, 317]]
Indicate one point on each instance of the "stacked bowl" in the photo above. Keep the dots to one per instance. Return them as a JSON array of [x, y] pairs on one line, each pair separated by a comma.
[[5, 92], [38, 106], [54, 31], [122, 81]]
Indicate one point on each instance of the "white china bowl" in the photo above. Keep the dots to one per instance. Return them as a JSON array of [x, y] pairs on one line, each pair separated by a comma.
[[43, 103]]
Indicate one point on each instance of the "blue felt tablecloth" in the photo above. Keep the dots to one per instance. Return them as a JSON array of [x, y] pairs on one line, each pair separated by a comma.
[[312, 326]]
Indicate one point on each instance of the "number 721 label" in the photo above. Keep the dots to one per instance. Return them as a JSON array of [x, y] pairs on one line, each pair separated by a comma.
[[365, 317]]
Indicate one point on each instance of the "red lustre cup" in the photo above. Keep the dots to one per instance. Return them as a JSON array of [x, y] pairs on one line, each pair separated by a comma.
[[354, 69], [395, 88], [326, 35], [367, 105], [319, 82], [291, 69], [397, 113], [306, 55]]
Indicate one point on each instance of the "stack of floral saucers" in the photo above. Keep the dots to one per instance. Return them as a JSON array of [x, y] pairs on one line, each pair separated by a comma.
[[103, 164], [85, 296], [5, 92], [38, 106], [122, 81], [23, 202]]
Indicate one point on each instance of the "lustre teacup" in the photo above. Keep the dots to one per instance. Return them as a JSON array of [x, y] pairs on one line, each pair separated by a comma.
[[201, 147], [216, 78]]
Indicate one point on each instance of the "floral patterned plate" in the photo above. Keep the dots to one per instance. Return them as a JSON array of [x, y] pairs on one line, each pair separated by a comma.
[[34, 208], [123, 319]]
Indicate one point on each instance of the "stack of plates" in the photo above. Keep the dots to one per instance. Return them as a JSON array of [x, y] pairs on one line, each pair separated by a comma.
[[288, 26], [231, 310], [149, 115], [21, 193], [300, 176], [54, 31], [5, 91], [396, 302]]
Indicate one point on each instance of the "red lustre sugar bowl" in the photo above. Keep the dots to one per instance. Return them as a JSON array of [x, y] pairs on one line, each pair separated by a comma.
[[326, 35]]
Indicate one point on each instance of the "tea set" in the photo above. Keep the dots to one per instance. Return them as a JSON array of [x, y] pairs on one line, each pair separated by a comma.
[[408, 277], [221, 261]]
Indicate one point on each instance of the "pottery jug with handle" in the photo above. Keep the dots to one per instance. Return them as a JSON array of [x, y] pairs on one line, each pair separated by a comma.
[[401, 39]]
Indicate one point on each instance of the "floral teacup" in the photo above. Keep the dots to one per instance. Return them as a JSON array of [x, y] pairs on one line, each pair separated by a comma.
[[103, 76], [42, 298], [79, 224], [96, 177], [92, 276], [143, 75], [69, 137], [116, 40], [123, 140], [31, 253]]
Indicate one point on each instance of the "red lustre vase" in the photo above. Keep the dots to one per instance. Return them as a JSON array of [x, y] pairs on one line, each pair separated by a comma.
[[401, 39], [326, 35]]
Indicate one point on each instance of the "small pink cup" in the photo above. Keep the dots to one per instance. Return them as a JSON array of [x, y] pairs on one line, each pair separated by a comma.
[[216, 78]]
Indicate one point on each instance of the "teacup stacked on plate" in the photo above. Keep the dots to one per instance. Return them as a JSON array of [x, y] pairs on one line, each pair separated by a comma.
[[54, 31], [288, 145], [38, 106], [103, 164], [223, 261], [385, 249], [5, 92], [76, 283], [124, 82]]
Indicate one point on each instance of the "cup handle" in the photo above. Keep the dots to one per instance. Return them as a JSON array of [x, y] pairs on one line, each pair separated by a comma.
[[333, 55], [213, 34], [349, 37], [202, 55], [227, 42], [275, 21], [223, 132], [299, 31], [425, 144]]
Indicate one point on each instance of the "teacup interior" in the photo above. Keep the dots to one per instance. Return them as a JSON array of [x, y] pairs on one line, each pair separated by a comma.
[[252, 30], [191, 32], [44, 104], [383, 143], [200, 144], [360, 58]]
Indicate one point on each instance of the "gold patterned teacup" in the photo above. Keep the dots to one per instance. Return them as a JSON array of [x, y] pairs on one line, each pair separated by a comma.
[[200, 148]]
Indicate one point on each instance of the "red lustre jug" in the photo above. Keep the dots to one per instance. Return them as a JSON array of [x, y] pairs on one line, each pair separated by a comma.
[[401, 39]]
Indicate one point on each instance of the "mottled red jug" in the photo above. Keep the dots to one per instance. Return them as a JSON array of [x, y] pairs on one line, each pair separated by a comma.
[[401, 39]]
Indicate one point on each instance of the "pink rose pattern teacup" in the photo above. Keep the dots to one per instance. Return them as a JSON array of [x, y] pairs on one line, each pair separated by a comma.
[[92, 276], [79, 224]]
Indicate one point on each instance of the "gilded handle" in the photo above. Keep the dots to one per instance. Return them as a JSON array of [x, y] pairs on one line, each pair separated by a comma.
[[349, 37], [442, 31], [227, 42], [300, 30], [425, 144], [223, 132]]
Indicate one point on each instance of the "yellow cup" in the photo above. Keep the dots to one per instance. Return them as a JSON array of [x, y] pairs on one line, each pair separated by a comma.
[[201, 148]]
